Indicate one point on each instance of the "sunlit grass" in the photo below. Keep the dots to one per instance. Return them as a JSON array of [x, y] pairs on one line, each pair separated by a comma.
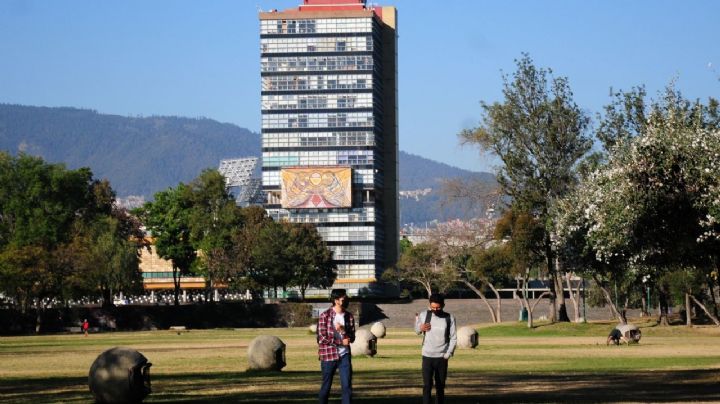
[[209, 365]]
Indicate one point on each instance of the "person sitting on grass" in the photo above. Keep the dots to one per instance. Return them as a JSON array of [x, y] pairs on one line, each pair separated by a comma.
[[614, 337]]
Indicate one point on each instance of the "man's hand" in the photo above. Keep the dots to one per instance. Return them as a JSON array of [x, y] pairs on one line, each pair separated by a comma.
[[425, 327], [339, 328], [346, 341]]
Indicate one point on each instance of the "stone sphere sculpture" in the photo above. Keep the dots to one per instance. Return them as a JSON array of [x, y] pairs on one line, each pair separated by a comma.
[[120, 375], [378, 330], [266, 352], [313, 328], [365, 343], [467, 337]]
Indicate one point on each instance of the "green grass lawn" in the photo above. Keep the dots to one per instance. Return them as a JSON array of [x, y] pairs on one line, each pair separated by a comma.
[[549, 363]]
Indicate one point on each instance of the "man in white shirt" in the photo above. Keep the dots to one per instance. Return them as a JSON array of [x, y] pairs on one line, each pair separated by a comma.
[[439, 342]]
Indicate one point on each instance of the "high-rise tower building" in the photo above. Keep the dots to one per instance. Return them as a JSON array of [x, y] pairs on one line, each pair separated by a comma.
[[330, 133]]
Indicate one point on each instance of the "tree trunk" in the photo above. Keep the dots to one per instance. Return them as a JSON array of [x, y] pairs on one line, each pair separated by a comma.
[[428, 288], [479, 293], [525, 302], [645, 309], [176, 286], [551, 274], [38, 315], [663, 303], [498, 302], [107, 298], [573, 297], [688, 310], [702, 306], [531, 309], [22, 298], [560, 292], [711, 288], [609, 300], [526, 305], [521, 295]]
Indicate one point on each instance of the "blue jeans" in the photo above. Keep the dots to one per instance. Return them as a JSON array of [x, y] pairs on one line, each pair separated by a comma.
[[328, 372]]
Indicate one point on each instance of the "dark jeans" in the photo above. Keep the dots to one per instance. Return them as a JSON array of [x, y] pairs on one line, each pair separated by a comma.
[[328, 372], [434, 368]]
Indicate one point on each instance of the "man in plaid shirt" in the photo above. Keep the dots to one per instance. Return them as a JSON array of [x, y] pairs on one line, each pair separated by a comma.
[[335, 333]]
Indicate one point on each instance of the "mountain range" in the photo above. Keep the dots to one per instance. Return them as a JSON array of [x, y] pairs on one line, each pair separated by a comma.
[[144, 155]]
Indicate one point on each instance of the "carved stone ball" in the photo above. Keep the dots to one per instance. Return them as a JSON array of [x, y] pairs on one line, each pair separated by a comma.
[[467, 337], [365, 343], [378, 330], [266, 352], [120, 375], [313, 328]]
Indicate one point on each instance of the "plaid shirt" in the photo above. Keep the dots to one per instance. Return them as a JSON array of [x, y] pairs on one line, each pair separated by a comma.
[[328, 340]]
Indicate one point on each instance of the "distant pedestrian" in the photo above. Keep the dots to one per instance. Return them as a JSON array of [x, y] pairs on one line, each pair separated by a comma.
[[439, 342], [85, 327], [335, 332]]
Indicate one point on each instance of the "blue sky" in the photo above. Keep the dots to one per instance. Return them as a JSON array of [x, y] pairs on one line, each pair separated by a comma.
[[201, 58]]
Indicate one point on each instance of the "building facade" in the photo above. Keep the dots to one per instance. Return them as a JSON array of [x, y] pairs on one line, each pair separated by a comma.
[[330, 133]]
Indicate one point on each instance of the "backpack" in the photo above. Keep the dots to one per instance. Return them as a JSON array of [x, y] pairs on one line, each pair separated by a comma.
[[428, 316]]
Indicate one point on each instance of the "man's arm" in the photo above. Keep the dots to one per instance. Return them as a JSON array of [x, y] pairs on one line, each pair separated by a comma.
[[453, 338], [326, 335], [418, 322]]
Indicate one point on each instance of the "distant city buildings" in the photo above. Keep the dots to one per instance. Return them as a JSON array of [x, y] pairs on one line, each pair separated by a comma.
[[415, 193], [240, 180], [473, 232], [329, 130]]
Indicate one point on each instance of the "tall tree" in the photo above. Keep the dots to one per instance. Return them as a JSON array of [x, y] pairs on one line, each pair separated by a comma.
[[631, 113], [652, 207], [105, 259], [40, 204], [539, 134], [521, 238], [272, 262], [214, 217], [313, 264], [422, 264], [168, 219], [462, 247]]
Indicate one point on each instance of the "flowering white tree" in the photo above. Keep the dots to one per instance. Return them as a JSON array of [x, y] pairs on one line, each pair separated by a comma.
[[654, 207]]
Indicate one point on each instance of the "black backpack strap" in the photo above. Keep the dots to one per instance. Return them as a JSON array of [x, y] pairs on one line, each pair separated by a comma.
[[428, 317], [447, 328], [448, 320]]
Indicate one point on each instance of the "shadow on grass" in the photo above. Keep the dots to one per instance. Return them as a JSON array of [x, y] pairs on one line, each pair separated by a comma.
[[45, 390], [392, 387]]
